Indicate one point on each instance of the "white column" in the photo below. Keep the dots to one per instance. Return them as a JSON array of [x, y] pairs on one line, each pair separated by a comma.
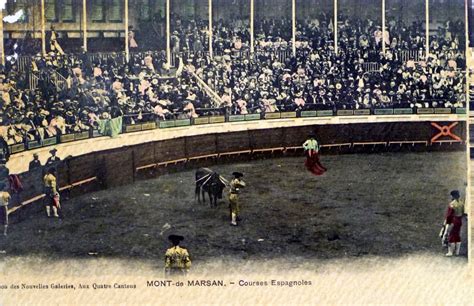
[[469, 206], [336, 50], [168, 44], [84, 24], [427, 26], [383, 27], [252, 47], [293, 26], [210, 29], [127, 48], [43, 29], [2, 46]]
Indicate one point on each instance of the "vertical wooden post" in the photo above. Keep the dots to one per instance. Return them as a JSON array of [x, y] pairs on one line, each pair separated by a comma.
[[127, 47], [336, 50], [168, 43], [210, 29], [427, 26], [43, 29], [252, 8], [2, 46], [383, 27], [293, 26], [84, 24]]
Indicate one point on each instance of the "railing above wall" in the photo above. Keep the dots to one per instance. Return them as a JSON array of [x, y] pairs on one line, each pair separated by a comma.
[[411, 55], [203, 120], [24, 63], [282, 55], [371, 66], [56, 78], [33, 81]]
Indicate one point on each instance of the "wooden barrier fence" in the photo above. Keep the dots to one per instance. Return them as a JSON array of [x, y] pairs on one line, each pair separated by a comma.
[[124, 165]]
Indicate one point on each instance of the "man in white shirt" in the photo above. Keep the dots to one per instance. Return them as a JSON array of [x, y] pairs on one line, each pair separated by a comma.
[[312, 163]]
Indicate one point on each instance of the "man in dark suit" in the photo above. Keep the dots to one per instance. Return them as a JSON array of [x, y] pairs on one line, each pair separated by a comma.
[[35, 163], [53, 158]]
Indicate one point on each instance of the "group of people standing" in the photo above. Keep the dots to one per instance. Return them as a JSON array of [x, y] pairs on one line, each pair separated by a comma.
[[11, 184], [451, 230], [50, 186], [177, 258], [36, 163]]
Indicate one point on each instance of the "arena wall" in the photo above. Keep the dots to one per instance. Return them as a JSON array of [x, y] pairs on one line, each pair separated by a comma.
[[110, 162]]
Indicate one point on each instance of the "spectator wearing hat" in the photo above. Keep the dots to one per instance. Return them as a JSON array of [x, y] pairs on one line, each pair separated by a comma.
[[235, 185], [35, 163], [175, 42], [131, 38], [53, 158], [4, 171], [54, 45], [177, 259], [345, 84], [453, 223]]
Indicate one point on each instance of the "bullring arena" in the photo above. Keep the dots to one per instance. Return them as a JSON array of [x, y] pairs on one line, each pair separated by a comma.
[[369, 212], [319, 217], [109, 110]]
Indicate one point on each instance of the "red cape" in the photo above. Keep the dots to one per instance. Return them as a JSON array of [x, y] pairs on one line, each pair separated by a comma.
[[313, 164]]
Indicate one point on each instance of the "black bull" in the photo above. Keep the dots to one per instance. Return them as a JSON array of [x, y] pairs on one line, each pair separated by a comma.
[[211, 182]]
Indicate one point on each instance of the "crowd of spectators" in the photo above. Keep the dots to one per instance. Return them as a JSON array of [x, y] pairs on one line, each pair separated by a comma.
[[318, 78], [145, 88], [104, 88]]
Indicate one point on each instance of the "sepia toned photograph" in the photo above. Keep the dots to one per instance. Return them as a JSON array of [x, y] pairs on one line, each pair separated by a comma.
[[236, 152]]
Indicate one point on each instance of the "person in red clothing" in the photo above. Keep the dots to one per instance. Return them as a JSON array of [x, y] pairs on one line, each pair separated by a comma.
[[453, 222], [312, 163]]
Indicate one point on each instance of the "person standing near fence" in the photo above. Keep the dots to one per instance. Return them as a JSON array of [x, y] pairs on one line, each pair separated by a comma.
[[53, 158], [4, 200], [51, 193], [235, 185], [35, 163], [453, 223]]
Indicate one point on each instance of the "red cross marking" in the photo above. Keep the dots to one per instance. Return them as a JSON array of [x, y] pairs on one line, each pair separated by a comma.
[[445, 130]]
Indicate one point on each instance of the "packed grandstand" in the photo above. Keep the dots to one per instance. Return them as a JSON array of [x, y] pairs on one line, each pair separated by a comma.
[[67, 91]]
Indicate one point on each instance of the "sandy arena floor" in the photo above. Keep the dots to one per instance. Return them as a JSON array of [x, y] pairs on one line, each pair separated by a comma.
[[364, 233], [377, 204]]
